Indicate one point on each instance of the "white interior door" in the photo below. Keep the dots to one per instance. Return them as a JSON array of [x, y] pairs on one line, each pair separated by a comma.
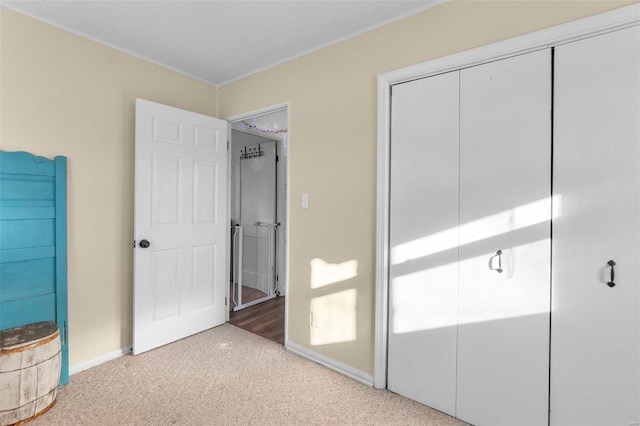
[[258, 196], [505, 213], [424, 238], [180, 210], [595, 357]]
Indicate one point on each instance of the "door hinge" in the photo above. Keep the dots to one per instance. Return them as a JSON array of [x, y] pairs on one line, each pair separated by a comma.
[[277, 158], [225, 301], [227, 145], [65, 341]]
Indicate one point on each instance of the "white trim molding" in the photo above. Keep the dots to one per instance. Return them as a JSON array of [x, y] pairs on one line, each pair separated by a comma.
[[341, 368], [100, 360], [554, 36], [258, 112]]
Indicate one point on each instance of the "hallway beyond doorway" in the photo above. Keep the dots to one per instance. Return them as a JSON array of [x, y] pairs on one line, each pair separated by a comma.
[[265, 319]]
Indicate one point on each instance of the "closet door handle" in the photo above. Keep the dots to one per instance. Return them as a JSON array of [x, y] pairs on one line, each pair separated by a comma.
[[499, 256], [612, 264]]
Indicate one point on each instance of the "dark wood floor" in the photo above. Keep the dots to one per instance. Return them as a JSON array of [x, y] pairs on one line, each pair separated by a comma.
[[265, 319]]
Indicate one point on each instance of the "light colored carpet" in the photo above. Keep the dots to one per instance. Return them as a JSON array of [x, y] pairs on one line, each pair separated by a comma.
[[227, 376]]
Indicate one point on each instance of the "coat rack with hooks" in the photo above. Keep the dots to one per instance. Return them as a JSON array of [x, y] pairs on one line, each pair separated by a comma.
[[251, 152]]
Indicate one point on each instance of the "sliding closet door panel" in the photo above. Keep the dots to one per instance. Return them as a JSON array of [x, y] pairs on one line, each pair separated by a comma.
[[595, 376], [424, 238], [505, 213]]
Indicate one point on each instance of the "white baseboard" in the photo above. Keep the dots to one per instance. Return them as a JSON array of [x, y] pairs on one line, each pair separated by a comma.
[[97, 361], [348, 371], [341, 368]]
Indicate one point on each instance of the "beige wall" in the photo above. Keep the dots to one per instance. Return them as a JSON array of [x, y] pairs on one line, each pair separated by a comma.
[[65, 95], [333, 149]]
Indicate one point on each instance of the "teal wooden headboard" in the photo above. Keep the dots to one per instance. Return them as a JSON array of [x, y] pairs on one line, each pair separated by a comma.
[[33, 243]]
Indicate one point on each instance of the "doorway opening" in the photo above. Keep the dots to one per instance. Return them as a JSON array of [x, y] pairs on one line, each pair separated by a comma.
[[258, 206]]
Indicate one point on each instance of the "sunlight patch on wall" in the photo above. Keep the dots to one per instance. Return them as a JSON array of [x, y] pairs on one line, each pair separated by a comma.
[[333, 318], [509, 220], [323, 273]]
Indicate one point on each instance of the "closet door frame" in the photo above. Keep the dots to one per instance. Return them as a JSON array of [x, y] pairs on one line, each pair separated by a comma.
[[588, 27]]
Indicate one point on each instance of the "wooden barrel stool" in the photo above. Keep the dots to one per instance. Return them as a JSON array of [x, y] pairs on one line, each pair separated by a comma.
[[29, 371]]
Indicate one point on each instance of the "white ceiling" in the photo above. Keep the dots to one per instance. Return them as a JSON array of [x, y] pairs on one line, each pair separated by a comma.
[[218, 41]]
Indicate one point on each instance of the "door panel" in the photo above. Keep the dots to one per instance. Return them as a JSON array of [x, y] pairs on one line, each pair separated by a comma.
[[205, 182], [505, 205], [595, 334], [204, 271], [179, 283], [164, 269], [423, 237], [165, 187]]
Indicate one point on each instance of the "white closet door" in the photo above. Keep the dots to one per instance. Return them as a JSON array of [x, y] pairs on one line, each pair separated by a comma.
[[424, 238], [595, 376], [505, 169]]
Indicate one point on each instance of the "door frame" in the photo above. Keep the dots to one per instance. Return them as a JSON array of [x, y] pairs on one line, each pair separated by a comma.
[[565, 33], [285, 106]]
